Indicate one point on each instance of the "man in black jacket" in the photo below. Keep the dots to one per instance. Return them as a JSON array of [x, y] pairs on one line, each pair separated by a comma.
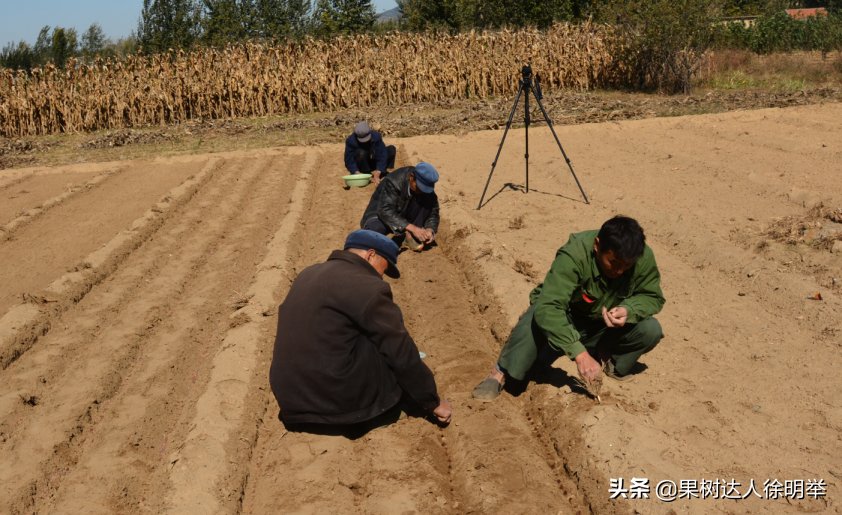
[[405, 202], [343, 356], [365, 152]]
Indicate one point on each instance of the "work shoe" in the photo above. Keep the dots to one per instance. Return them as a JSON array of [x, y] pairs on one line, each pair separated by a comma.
[[488, 390], [412, 244], [611, 372]]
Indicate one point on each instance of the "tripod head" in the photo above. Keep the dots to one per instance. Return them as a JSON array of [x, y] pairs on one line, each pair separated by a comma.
[[526, 73]]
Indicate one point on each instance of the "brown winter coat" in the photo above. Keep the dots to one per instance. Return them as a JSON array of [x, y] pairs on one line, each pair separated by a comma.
[[342, 354]]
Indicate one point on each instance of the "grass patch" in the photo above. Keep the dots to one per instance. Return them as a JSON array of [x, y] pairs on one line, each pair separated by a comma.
[[741, 69]]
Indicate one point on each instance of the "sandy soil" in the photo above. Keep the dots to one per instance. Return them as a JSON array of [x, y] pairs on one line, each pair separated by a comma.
[[145, 387]]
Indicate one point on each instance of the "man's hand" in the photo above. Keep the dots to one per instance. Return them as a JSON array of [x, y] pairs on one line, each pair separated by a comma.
[[430, 236], [589, 369], [443, 412], [616, 317], [419, 233], [376, 176]]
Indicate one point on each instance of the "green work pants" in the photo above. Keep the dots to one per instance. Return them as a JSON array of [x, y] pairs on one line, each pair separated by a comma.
[[625, 344]]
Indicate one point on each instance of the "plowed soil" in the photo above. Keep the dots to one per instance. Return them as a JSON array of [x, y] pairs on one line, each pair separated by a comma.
[[139, 301]]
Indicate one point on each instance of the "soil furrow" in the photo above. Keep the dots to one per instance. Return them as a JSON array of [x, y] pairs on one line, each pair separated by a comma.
[[21, 327], [499, 462], [15, 178], [217, 451], [32, 190], [156, 301], [134, 383], [63, 236], [748, 358], [331, 213], [132, 428], [486, 460], [37, 205]]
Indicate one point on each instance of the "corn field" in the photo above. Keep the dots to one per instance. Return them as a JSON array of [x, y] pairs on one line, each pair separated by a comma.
[[254, 80]]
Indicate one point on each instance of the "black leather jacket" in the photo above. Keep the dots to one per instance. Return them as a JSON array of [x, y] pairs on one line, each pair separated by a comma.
[[390, 200]]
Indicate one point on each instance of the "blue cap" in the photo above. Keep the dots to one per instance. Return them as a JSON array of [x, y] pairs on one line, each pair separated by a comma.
[[426, 177], [382, 245]]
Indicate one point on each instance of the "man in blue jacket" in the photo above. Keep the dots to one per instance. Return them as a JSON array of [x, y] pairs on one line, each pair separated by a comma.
[[365, 152]]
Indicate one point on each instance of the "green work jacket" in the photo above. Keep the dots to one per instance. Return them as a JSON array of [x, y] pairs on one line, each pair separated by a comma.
[[573, 274]]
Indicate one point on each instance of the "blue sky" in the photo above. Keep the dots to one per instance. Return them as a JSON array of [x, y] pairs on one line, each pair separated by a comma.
[[23, 20]]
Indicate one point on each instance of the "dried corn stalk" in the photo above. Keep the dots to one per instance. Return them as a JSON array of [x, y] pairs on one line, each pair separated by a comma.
[[263, 80]]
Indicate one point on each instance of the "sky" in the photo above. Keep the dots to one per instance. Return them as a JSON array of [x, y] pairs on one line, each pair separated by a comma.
[[23, 19]]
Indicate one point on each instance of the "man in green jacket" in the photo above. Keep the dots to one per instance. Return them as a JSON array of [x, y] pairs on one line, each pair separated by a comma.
[[595, 306]]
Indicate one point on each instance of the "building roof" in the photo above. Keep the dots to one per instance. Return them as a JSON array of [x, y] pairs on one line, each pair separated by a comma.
[[800, 14]]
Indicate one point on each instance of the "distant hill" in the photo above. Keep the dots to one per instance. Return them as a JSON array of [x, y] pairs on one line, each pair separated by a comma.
[[391, 14]]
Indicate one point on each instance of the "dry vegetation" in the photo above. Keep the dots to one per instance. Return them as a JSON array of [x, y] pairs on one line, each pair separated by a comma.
[[594, 388], [123, 137], [445, 116], [525, 268], [820, 227], [795, 71], [258, 80], [517, 223], [240, 300]]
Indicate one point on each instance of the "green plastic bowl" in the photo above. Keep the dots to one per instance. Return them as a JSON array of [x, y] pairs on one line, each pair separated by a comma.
[[359, 180]]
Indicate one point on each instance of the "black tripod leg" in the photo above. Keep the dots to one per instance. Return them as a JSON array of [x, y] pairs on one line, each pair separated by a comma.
[[526, 121], [508, 125], [550, 124]]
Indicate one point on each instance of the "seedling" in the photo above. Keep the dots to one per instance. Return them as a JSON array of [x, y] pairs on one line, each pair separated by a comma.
[[594, 388]]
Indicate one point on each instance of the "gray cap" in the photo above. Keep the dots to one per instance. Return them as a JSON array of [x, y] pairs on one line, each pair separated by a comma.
[[363, 132]]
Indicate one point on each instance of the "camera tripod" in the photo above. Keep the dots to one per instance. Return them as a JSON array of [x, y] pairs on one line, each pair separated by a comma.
[[526, 83]]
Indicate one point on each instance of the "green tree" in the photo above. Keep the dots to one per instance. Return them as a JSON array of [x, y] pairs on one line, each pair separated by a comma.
[[122, 47], [226, 21], [64, 45], [43, 46], [166, 24], [344, 16], [93, 41], [17, 57], [660, 44], [278, 19], [423, 14], [830, 5], [744, 7], [467, 14]]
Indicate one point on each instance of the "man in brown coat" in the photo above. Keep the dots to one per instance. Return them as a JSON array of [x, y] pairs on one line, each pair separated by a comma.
[[343, 356]]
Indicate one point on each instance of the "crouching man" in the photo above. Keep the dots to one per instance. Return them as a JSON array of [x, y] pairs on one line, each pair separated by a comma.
[[365, 152], [595, 305], [405, 203], [343, 356]]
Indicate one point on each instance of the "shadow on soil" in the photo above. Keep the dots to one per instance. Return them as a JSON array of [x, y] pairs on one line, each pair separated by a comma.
[[522, 189]]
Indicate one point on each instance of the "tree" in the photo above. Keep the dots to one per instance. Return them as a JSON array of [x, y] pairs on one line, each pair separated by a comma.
[[64, 45], [93, 41], [660, 44], [278, 19], [344, 16], [482, 14], [17, 57], [166, 24], [43, 46], [226, 21], [423, 14]]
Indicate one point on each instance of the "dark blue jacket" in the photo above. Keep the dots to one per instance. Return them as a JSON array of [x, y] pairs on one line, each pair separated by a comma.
[[376, 143]]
